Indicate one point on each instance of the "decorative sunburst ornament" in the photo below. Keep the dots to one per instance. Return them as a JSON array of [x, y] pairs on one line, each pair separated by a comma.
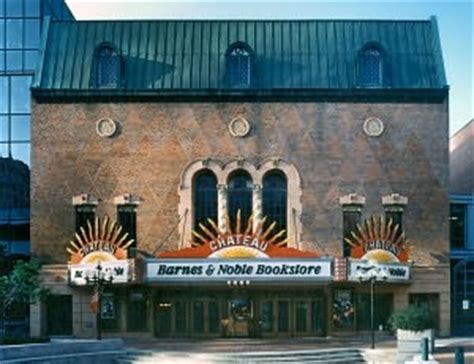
[[379, 240], [100, 241], [250, 239], [242, 242]]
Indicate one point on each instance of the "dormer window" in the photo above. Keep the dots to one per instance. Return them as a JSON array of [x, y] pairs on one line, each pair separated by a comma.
[[239, 62], [108, 67], [371, 67]]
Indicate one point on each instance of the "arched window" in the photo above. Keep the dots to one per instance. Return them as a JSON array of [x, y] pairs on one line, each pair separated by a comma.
[[108, 67], [371, 67], [239, 197], [239, 62], [204, 198], [275, 199]]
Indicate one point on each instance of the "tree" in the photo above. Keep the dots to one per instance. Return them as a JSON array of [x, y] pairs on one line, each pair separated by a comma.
[[19, 289]]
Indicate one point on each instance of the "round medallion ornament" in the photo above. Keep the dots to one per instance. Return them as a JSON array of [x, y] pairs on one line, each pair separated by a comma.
[[239, 127], [373, 127], [106, 127]]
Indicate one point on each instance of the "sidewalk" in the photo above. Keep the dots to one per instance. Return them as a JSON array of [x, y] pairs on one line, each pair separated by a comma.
[[385, 351]]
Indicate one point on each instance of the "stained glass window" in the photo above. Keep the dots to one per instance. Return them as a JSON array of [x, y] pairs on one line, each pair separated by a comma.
[[108, 67], [239, 196], [239, 66], [274, 196], [371, 68]]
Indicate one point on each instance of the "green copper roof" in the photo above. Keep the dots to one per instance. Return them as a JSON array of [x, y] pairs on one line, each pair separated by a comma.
[[164, 56]]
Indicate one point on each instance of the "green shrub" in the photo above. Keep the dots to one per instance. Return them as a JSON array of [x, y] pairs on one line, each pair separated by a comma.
[[19, 340], [413, 318]]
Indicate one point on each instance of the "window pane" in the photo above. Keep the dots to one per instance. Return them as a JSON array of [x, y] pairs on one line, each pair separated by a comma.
[[14, 60], [4, 95], [127, 218], [214, 322], [20, 94], [2, 61], [84, 213], [180, 317], [275, 201], [198, 316], [20, 127], [32, 32], [14, 33], [457, 225], [266, 316], [317, 316], [238, 67], [239, 197], [4, 150], [2, 33], [2, 7], [3, 128], [371, 68], [301, 315], [14, 7], [283, 316], [31, 58], [21, 151], [32, 8], [204, 198], [351, 216], [396, 215]]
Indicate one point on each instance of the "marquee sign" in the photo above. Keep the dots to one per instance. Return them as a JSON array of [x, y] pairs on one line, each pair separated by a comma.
[[221, 270], [120, 270], [104, 242], [259, 241], [379, 241], [386, 272]]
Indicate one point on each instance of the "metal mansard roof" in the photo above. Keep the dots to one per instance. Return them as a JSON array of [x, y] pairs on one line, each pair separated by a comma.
[[187, 57]]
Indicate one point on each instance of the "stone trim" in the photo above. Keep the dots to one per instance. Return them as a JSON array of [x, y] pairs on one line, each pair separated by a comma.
[[257, 172], [126, 199], [351, 199], [85, 199], [394, 199]]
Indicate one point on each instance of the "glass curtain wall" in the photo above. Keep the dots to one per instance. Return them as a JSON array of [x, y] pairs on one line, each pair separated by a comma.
[[20, 32]]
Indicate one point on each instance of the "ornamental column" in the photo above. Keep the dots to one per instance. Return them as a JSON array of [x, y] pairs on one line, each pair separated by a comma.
[[222, 206], [257, 205]]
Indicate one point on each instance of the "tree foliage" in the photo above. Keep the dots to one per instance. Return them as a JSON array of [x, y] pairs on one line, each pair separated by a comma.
[[23, 285]]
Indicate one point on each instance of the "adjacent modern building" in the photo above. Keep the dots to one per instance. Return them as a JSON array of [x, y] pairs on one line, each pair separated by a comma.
[[461, 185], [239, 178], [21, 22]]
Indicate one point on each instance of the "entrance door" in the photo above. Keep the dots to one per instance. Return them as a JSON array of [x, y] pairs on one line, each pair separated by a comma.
[[59, 315], [240, 321], [163, 318], [462, 301]]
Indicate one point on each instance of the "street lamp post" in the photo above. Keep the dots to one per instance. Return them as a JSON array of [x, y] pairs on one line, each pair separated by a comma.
[[98, 279], [371, 274]]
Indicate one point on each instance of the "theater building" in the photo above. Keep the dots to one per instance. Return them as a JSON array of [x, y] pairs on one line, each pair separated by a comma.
[[240, 178]]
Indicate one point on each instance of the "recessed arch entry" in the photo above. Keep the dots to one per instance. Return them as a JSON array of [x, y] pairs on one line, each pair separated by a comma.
[[241, 184]]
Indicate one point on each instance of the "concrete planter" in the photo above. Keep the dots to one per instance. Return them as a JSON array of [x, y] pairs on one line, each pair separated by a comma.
[[409, 343]]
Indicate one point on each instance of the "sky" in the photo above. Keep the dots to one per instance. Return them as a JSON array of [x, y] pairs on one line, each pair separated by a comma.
[[455, 22]]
